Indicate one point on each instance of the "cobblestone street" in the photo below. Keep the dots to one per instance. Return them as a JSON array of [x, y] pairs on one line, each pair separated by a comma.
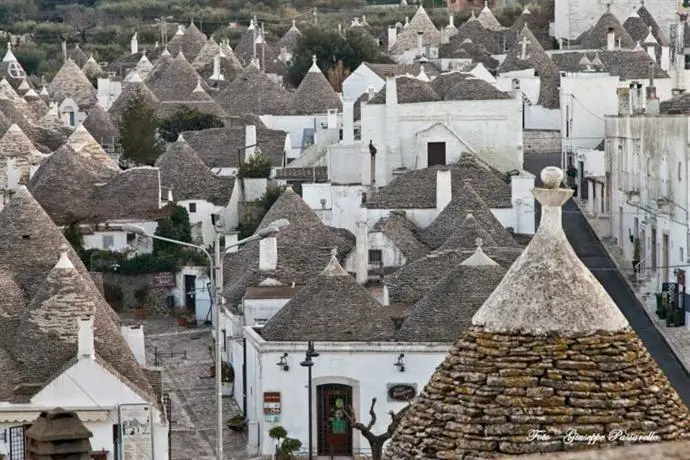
[[189, 382]]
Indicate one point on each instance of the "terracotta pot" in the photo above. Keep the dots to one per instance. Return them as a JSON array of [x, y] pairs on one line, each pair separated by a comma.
[[140, 313], [182, 321]]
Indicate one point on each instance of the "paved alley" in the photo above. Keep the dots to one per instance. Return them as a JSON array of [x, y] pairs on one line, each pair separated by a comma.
[[593, 254], [190, 385]]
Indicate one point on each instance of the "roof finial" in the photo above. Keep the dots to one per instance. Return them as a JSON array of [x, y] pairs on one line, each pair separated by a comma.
[[9, 46], [334, 252], [552, 177], [313, 58], [478, 241], [64, 261], [486, 5], [180, 138]]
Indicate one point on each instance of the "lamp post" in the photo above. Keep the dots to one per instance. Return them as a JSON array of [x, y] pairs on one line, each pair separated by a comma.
[[271, 230], [309, 363]]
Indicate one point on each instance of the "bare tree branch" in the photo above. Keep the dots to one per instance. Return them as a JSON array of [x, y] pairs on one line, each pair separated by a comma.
[[376, 441]]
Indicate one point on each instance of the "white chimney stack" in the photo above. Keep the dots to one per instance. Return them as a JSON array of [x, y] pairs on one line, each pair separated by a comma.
[[443, 190], [217, 75], [392, 36], [134, 44], [451, 20], [249, 141], [268, 254], [85, 340], [611, 39], [362, 252], [385, 298], [420, 43], [348, 122]]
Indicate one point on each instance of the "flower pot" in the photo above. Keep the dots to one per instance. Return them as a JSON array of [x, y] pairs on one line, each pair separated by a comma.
[[182, 321], [140, 313]]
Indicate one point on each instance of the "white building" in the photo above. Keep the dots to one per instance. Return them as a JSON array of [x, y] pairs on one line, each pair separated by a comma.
[[648, 194], [371, 78]]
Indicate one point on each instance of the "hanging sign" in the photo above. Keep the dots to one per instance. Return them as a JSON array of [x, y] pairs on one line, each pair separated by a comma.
[[401, 392], [137, 435]]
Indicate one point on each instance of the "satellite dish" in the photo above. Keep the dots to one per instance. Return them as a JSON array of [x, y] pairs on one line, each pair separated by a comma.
[[14, 70]]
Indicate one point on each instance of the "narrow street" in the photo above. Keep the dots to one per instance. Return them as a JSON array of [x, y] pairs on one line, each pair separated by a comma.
[[188, 381], [593, 254]]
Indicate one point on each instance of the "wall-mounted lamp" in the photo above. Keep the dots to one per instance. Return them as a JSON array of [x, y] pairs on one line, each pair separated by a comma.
[[283, 363], [400, 364]]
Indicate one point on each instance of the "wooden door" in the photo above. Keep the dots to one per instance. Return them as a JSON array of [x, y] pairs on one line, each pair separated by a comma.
[[436, 153], [190, 292], [335, 432]]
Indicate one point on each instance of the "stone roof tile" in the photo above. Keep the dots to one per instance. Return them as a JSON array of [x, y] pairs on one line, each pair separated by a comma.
[[71, 82], [254, 92], [403, 234], [315, 95]]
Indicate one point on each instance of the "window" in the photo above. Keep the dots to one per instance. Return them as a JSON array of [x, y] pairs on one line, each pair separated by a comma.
[[681, 255], [131, 237], [364, 198], [72, 119], [375, 256], [680, 171], [192, 207], [108, 241]]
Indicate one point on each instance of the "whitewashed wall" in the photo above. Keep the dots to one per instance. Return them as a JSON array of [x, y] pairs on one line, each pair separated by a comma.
[[295, 125], [142, 244], [203, 300], [359, 81], [260, 309], [344, 363]]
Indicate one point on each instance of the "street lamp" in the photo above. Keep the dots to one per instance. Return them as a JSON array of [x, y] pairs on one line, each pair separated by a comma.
[[271, 230], [308, 363]]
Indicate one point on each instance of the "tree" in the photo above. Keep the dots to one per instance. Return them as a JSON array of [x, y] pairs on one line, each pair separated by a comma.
[[256, 167], [176, 227], [337, 75], [81, 18], [138, 126], [330, 47], [376, 441], [186, 119]]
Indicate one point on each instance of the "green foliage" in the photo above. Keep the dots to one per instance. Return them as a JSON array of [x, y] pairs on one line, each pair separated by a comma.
[[257, 167], [175, 227], [148, 263], [329, 47], [138, 138], [288, 446], [186, 119], [74, 237], [277, 433], [247, 227]]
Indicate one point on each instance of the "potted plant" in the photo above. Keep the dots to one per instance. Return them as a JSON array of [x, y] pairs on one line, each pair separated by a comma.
[[181, 316], [284, 450], [228, 378], [237, 423], [142, 297], [660, 305]]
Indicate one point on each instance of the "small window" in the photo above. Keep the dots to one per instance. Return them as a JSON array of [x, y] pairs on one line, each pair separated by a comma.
[[364, 198], [131, 237], [72, 119], [681, 255], [680, 172], [375, 256], [192, 207], [108, 241]]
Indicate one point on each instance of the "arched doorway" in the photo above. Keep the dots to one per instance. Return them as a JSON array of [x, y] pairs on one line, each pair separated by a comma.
[[334, 430]]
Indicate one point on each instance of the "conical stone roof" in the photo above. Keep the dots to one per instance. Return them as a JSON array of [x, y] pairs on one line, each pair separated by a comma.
[[16, 144], [143, 67], [315, 94], [190, 42], [27, 243], [488, 20], [36, 104], [333, 298], [47, 334], [466, 235], [206, 54], [254, 92], [70, 81], [446, 310], [548, 350], [407, 39], [176, 82], [597, 36], [230, 55], [78, 55], [290, 39], [100, 126], [131, 91]]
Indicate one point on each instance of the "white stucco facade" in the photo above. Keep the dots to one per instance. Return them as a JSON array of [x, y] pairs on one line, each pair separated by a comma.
[[347, 364], [490, 129], [201, 299], [649, 191], [95, 394], [299, 126], [110, 237]]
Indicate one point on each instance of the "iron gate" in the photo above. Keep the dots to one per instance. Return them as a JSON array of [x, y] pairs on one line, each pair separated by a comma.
[[17, 435], [167, 404]]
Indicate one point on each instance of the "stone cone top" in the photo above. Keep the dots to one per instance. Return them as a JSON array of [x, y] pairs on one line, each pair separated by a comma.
[[548, 289]]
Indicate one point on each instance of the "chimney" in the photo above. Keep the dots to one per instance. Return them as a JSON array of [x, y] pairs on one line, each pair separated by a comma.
[[680, 51], [348, 122], [85, 344], [636, 98], [217, 75], [249, 141], [230, 239], [385, 298], [392, 36], [420, 43], [451, 20], [268, 254], [611, 39], [443, 190], [134, 44], [623, 100], [64, 51], [362, 252]]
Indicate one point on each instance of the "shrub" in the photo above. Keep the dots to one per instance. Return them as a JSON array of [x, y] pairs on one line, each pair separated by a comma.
[[256, 167]]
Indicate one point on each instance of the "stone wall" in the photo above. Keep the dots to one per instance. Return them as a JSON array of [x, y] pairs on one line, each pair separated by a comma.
[[493, 390], [128, 286], [541, 140]]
